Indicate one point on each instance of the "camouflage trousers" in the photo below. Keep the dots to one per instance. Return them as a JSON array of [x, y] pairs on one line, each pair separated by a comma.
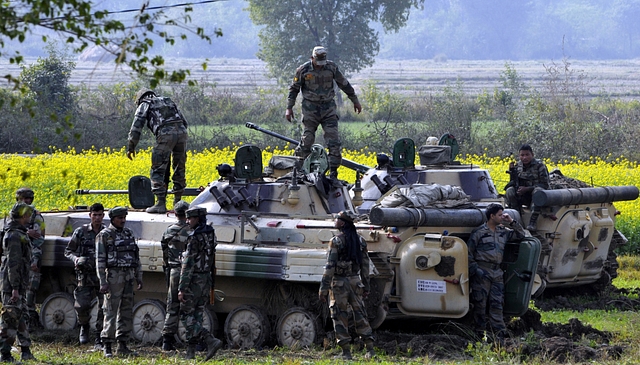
[[84, 296], [118, 305], [192, 311], [169, 148], [515, 201], [173, 304], [345, 292], [32, 290], [325, 115], [487, 294], [13, 323]]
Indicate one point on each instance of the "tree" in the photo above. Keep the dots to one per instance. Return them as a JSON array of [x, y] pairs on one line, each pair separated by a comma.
[[294, 27], [81, 25]]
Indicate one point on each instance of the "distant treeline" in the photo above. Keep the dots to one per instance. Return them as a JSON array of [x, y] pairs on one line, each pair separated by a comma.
[[444, 29]]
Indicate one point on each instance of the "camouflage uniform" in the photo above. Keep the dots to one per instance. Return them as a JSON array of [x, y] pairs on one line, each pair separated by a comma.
[[118, 265], [36, 223], [14, 272], [162, 117], [173, 244], [319, 107], [346, 282], [535, 175], [486, 249], [81, 249]]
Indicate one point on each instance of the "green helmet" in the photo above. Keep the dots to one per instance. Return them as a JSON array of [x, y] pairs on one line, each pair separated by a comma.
[[142, 93], [21, 209], [181, 207], [118, 212], [196, 212]]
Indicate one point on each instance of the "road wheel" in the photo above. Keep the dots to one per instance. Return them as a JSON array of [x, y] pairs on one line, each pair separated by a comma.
[[148, 320], [297, 328], [246, 327], [57, 312]]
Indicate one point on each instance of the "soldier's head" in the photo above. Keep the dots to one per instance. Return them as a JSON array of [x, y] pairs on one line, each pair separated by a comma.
[[319, 56], [143, 93], [21, 212], [196, 216], [180, 208], [345, 219], [493, 210], [526, 154], [118, 216], [96, 213], [25, 195]]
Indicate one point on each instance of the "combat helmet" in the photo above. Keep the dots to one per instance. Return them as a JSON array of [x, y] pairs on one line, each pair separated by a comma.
[[196, 212], [181, 207], [142, 93], [24, 193], [346, 216]]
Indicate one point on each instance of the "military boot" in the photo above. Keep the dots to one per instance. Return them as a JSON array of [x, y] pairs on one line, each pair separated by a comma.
[[6, 357], [123, 350], [176, 198], [213, 345], [26, 354], [168, 342], [191, 352], [160, 207], [107, 349], [98, 344], [346, 352], [84, 334], [532, 221], [371, 353]]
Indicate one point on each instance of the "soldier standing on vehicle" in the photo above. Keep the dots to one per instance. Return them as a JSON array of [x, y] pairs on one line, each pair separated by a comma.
[[316, 79], [81, 250], [14, 271], [162, 117], [346, 279], [528, 176], [36, 232], [118, 265], [486, 250], [196, 280], [173, 243]]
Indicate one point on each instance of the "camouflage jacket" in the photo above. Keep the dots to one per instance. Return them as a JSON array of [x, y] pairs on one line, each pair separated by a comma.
[[317, 85], [199, 255], [338, 265], [535, 174], [83, 244], [117, 248], [160, 115], [16, 258], [173, 243], [36, 222], [487, 246]]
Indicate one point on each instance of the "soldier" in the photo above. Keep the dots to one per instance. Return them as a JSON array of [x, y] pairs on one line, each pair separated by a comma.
[[118, 265], [196, 281], [173, 243], [81, 250], [162, 117], [36, 232], [346, 279], [528, 176], [14, 271], [315, 79], [486, 249]]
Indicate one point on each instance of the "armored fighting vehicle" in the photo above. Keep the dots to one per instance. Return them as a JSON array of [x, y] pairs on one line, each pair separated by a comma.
[[273, 225]]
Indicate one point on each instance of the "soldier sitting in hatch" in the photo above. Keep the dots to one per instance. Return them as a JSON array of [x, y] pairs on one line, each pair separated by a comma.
[[527, 176]]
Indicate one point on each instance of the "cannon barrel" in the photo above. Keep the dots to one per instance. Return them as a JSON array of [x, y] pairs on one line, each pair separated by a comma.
[[607, 194], [345, 162], [186, 192], [416, 217]]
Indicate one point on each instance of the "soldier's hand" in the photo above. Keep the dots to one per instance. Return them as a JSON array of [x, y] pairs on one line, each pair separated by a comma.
[[15, 296], [322, 297], [32, 233], [181, 297], [131, 155], [34, 267], [104, 289], [140, 285], [357, 108], [365, 295], [288, 114]]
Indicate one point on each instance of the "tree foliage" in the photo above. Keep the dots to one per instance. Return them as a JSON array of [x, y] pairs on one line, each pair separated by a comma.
[[294, 27], [80, 24]]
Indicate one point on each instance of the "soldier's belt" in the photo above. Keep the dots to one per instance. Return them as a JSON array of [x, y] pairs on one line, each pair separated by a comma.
[[488, 265]]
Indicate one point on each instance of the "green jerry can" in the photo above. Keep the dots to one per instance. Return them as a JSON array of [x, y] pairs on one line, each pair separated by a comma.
[[521, 262]]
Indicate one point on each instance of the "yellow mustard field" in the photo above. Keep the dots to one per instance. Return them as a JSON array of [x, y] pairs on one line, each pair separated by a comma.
[[55, 177]]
